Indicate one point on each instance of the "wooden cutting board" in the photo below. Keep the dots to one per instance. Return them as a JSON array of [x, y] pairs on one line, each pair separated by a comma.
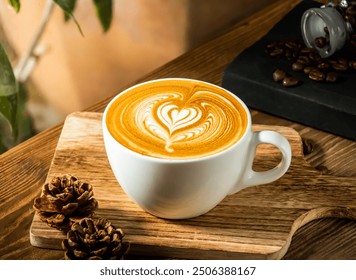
[[256, 223]]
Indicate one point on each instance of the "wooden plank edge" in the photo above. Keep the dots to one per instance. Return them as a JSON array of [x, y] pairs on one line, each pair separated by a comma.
[[141, 250]]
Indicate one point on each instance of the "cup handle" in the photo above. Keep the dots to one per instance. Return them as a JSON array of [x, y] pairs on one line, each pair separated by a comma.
[[252, 178]]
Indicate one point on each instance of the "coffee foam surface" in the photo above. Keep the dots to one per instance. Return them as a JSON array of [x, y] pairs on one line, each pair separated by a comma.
[[176, 119]]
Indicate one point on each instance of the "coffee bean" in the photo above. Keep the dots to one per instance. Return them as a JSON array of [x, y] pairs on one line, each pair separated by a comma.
[[320, 42], [303, 60], [290, 82], [316, 75], [342, 60], [350, 15], [326, 30], [352, 64], [271, 45], [279, 75], [308, 69], [353, 43], [291, 45], [276, 52], [288, 54], [353, 37], [353, 40], [351, 11], [314, 57], [351, 20], [306, 50], [323, 65], [297, 66], [339, 67], [331, 77]]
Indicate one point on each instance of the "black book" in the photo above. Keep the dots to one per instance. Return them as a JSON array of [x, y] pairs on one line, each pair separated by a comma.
[[326, 106]]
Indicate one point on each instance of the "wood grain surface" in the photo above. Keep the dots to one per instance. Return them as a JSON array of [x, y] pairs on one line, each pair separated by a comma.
[[24, 168], [257, 222]]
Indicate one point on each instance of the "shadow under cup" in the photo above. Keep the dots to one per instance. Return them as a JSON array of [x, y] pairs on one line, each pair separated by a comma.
[[198, 146]]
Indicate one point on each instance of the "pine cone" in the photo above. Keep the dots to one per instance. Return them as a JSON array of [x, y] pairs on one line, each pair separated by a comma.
[[65, 200], [97, 239]]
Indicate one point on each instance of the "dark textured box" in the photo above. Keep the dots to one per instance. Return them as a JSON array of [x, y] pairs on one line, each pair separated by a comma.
[[325, 106]]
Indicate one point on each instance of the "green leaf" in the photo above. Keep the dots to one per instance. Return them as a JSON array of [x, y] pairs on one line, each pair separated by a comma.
[[2, 147], [15, 4], [7, 139], [66, 6], [24, 119], [104, 12], [71, 7], [8, 101]]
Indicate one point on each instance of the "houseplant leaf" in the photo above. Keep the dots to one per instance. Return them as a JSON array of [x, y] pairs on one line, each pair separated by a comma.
[[24, 119], [71, 6], [104, 12], [8, 102], [15, 4], [67, 7]]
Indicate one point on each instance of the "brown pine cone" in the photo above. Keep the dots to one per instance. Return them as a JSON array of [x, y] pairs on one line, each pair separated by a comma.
[[65, 200], [97, 239]]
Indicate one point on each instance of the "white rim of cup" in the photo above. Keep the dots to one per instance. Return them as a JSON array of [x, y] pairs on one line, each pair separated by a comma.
[[177, 160]]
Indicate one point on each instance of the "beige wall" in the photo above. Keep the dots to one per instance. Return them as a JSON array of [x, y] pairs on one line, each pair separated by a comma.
[[77, 71]]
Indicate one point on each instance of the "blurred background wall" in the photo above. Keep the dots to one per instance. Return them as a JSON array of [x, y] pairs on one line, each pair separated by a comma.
[[76, 71]]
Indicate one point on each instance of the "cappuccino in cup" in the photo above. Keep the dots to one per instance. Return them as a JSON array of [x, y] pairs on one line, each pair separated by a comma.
[[176, 119], [178, 147]]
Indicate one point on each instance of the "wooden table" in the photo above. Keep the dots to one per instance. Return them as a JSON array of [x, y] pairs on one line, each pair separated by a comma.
[[24, 168]]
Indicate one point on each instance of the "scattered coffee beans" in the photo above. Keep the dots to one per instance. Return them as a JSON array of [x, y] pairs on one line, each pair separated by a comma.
[[287, 81], [308, 61]]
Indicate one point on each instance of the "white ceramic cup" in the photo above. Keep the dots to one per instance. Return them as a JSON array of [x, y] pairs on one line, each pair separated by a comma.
[[186, 188]]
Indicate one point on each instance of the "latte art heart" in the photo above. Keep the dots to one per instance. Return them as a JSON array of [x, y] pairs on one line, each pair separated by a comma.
[[176, 120], [171, 124]]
